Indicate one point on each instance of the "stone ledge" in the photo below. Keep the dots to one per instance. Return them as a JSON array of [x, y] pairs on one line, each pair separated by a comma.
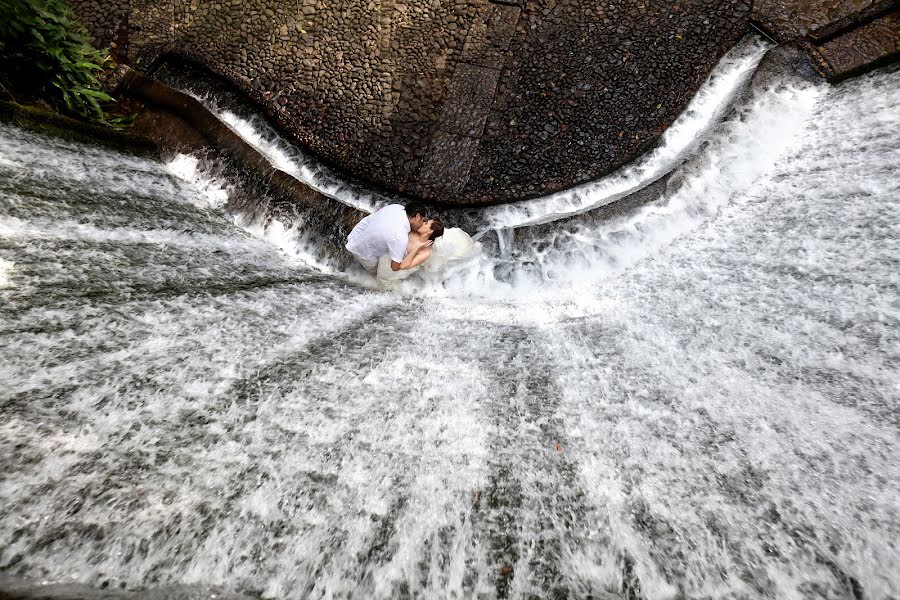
[[863, 49], [852, 20], [842, 39]]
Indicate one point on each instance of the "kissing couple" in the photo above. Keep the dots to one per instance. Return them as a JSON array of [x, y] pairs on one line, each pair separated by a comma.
[[395, 241]]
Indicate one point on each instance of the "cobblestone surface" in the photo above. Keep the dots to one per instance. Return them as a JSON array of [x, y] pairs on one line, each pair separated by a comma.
[[453, 101]]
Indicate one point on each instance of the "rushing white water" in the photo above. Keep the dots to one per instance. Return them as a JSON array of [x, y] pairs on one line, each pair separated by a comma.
[[697, 398]]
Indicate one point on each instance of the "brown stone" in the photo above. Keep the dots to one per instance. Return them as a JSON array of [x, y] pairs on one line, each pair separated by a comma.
[[871, 44], [843, 38]]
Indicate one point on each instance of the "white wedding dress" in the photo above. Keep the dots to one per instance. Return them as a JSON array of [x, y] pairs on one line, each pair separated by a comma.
[[453, 246]]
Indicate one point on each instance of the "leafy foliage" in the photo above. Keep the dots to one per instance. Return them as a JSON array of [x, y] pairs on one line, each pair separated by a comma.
[[44, 51]]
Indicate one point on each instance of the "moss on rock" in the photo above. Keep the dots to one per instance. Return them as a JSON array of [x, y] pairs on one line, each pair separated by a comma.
[[50, 123]]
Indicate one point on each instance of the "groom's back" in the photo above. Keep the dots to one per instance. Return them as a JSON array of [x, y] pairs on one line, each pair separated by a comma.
[[383, 232]]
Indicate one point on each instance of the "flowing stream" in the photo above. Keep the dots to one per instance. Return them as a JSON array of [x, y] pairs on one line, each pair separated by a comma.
[[698, 397]]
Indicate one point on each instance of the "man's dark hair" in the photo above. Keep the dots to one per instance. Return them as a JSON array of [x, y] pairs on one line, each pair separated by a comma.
[[437, 229], [414, 209]]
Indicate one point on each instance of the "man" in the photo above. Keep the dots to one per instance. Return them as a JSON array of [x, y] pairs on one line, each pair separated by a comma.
[[386, 232]]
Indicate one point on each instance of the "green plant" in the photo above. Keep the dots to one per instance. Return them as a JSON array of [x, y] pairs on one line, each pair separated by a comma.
[[46, 53]]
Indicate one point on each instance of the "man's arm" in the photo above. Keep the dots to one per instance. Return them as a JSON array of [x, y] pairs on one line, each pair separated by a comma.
[[413, 258]]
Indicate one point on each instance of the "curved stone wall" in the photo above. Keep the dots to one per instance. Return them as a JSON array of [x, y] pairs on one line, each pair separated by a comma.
[[453, 101]]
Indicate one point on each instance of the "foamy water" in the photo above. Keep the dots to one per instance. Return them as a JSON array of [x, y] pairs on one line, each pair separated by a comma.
[[698, 398]]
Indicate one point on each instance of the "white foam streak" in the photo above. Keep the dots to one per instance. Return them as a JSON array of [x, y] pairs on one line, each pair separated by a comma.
[[12, 228], [292, 241], [211, 193], [287, 157], [7, 269], [295, 162]]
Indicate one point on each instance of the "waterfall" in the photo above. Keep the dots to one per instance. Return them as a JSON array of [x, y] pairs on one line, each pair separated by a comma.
[[695, 396]]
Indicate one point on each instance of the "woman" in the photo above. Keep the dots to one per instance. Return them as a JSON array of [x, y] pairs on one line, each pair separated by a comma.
[[420, 242]]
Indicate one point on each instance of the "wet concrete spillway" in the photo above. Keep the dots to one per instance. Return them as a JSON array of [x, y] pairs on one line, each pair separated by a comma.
[[692, 396]]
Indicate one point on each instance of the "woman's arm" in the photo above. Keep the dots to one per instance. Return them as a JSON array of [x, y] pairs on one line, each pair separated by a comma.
[[421, 256], [412, 257]]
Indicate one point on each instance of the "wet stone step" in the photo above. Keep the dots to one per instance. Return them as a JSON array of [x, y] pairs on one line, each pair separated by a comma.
[[871, 45]]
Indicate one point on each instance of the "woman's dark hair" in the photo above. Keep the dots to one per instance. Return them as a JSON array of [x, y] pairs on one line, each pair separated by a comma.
[[414, 209], [437, 229]]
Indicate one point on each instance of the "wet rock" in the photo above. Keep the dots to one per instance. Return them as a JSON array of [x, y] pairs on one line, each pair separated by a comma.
[[842, 39]]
